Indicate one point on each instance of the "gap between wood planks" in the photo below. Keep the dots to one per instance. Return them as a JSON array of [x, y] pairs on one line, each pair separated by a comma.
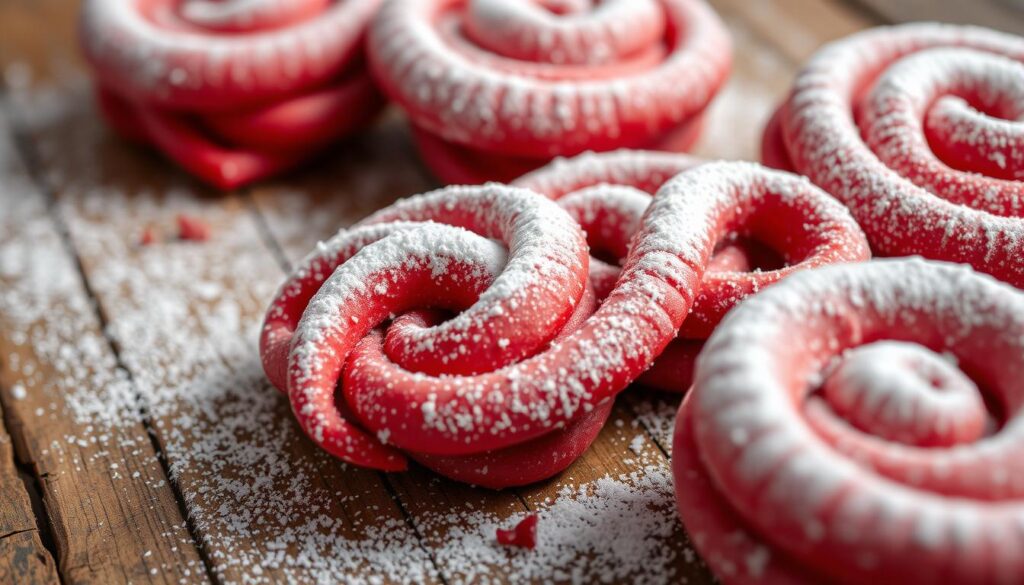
[[24, 556], [41, 427], [34, 169]]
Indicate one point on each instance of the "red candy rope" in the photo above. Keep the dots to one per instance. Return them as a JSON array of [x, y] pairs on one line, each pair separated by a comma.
[[509, 309], [920, 483], [605, 193], [233, 91], [496, 88], [917, 130], [514, 386]]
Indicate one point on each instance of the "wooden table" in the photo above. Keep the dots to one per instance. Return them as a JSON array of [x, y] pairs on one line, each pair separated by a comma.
[[140, 442]]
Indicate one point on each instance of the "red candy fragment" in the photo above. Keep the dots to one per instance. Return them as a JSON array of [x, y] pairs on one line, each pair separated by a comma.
[[232, 90], [780, 224], [917, 129], [524, 534], [192, 229], [495, 88], [148, 236], [813, 450]]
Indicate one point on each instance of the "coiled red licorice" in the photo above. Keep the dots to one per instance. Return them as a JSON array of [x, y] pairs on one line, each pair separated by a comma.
[[838, 430], [916, 129], [495, 89], [776, 234], [233, 91]]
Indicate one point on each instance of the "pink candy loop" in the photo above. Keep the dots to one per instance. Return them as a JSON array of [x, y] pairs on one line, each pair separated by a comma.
[[517, 383], [611, 31], [774, 487], [780, 224], [917, 129]]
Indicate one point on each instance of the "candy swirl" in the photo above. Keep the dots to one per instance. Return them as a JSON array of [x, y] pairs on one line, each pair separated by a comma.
[[233, 91], [495, 89], [918, 130], [837, 430], [460, 329], [783, 225]]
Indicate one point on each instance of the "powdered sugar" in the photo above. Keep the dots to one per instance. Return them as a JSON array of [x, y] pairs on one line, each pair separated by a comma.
[[621, 522], [898, 216], [137, 53], [903, 392]]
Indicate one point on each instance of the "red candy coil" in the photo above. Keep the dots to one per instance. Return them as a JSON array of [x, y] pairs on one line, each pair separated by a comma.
[[497, 88], [917, 130], [837, 430], [517, 383], [777, 217], [233, 91], [508, 305]]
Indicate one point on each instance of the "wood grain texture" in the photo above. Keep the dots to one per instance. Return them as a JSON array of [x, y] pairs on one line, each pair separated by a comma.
[[1004, 15], [72, 416], [23, 558], [794, 28], [184, 317]]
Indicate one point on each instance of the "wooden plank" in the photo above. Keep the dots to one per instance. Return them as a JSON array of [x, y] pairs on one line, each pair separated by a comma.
[[1004, 15], [72, 414], [794, 28], [23, 558], [760, 78], [268, 506], [37, 37]]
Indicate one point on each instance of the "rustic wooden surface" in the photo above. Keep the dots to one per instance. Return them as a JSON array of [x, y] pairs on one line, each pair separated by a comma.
[[1005, 15], [140, 442]]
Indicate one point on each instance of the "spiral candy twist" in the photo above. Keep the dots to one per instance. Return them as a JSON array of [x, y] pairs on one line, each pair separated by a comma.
[[495, 89], [800, 456], [917, 129], [782, 224], [233, 91]]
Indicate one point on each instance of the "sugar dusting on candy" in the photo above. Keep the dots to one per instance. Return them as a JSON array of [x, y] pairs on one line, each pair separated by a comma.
[[232, 91], [465, 94], [899, 216], [454, 416], [540, 284], [148, 58], [764, 458], [185, 318]]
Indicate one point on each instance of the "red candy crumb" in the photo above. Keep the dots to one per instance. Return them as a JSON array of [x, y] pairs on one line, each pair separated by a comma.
[[148, 236], [192, 229], [523, 535]]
